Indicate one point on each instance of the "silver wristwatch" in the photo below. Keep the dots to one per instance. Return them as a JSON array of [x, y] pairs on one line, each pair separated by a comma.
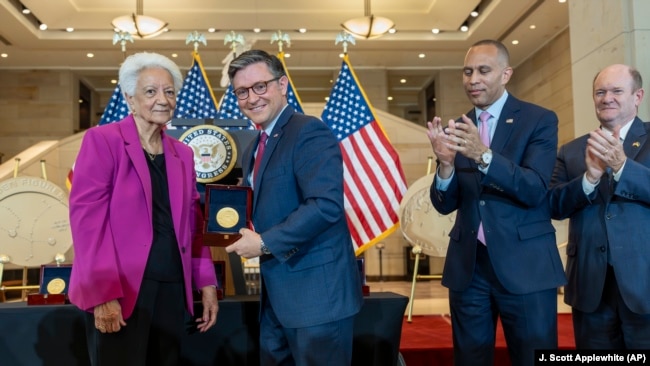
[[264, 248], [486, 159]]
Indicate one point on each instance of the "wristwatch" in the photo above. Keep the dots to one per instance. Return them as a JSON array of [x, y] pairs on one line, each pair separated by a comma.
[[486, 159], [264, 248]]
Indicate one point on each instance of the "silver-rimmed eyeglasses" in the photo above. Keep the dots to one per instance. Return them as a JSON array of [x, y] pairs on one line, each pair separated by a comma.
[[257, 88]]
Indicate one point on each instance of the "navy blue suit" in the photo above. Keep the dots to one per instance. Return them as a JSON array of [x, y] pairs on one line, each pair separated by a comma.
[[615, 219], [311, 277], [521, 260]]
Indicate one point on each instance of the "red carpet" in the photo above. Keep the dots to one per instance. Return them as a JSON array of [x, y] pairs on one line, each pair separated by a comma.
[[426, 341]]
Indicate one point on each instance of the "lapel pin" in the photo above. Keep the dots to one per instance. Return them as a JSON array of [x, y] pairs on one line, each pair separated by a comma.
[[276, 135], [509, 120], [636, 144]]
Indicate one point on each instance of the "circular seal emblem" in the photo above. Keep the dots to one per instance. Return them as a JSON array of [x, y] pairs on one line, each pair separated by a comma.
[[215, 152], [56, 286], [227, 217], [34, 221]]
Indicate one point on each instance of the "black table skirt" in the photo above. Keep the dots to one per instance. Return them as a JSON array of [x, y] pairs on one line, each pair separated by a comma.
[[54, 335]]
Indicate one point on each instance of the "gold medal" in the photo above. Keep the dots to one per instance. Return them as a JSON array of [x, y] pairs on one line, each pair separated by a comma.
[[227, 217], [55, 286]]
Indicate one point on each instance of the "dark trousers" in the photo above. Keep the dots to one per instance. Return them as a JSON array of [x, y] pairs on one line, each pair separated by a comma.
[[320, 345], [613, 325], [529, 321], [152, 334]]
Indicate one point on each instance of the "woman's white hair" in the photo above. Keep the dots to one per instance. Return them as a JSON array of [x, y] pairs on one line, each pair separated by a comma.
[[134, 64]]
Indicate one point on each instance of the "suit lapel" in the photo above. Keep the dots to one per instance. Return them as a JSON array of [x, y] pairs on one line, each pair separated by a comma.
[[507, 121], [271, 144], [136, 155], [635, 139]]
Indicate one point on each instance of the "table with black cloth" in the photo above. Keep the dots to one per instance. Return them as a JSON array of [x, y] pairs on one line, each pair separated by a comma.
[[55, 335]]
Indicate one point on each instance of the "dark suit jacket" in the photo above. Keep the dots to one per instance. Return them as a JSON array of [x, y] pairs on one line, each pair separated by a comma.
[[615, 215], [511, 202], [311, 277]]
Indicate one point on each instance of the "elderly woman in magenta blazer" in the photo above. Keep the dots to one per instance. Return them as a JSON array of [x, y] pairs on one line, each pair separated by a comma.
[[136, 227]]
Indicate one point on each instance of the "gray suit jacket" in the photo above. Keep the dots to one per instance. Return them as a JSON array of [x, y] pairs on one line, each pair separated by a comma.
[[616, 217]]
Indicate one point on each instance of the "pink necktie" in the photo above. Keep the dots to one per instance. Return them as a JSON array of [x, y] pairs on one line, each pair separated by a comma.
[[484, 133], [261, 146], [484, 128]]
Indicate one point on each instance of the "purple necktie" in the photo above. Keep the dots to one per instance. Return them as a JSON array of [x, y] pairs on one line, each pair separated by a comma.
[[484, 133], [261, 146]]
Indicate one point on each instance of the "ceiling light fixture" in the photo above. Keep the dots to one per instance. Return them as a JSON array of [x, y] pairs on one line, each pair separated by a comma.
[[139, 25], [368, 26]]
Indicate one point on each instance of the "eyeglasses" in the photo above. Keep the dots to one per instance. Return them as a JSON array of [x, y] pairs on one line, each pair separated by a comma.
[[258, 88]]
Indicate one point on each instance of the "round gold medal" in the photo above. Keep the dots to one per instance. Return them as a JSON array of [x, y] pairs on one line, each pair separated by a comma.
[[227, 217], [55, 286]]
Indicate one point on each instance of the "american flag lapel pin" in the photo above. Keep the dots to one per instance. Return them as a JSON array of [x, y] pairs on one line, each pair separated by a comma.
[[636, 144], [510, 120]]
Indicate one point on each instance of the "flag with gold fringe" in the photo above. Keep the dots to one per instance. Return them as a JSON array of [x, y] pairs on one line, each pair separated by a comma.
[[374, 182]]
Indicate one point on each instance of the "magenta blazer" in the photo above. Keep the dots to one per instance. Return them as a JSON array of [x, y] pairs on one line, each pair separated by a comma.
[[111, 217]]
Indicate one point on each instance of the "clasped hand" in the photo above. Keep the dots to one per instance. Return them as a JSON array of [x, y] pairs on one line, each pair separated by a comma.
[[603, 150], [458, 137]]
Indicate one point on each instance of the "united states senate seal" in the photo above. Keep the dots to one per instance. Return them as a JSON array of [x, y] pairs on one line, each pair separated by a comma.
[[227, 217], [56, 286], [215, 152]]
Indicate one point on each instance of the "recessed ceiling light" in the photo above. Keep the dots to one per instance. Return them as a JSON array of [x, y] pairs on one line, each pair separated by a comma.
[[4, 55], [302, 30], [113, 81], [435, 31], [327, 98], [389, 98], [43, 26], [514, 41], [422, 55], [392, 31], [69, 29], [26, 11], [90, 55], [81, 101], [464, 28], [562, 1], [474, 14], [403, 81], [212, 30], [257, 30], [341, 55], [174, 55], [532, 26], [287, 55]]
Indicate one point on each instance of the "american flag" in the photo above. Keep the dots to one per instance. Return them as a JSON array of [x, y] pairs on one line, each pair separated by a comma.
[[292, 96], [116, 109], [374, 182], [230, 109], [196, 100]]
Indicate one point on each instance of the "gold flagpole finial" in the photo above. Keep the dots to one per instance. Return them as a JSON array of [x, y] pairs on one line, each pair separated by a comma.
[[122, 37], [281, 38], [195, 38], [233, 39], [346, 38]]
